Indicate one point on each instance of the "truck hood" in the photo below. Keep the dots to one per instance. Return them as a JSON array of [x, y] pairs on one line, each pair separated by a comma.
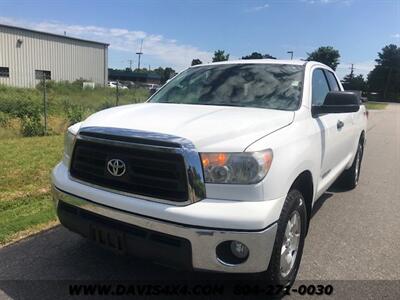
[[210, 128]]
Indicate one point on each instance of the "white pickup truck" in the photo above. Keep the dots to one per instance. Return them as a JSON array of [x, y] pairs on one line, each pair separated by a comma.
[[218, 170]]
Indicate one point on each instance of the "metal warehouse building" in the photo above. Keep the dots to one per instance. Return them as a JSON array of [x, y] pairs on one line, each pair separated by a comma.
[[27, 55]]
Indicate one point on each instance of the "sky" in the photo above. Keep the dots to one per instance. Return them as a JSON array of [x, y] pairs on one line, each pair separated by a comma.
[[176, 31]]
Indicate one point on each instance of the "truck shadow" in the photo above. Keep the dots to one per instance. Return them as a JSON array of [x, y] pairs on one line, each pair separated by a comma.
[[335, 188], [45, 266], [320, 202]]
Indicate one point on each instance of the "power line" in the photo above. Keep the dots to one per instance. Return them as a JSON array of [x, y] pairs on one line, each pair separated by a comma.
[[140, 53], [352, 69]]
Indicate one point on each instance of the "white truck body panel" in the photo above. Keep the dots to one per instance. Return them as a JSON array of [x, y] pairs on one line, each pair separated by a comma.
[[205, 126]]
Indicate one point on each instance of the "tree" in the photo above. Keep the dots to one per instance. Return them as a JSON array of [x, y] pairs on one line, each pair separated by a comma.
[[141, 70], [257, 55], [169, 73], [385, 77], [196, 61], [268, 56], [165, 74], [352, 82], [326, 55], [220, 55]]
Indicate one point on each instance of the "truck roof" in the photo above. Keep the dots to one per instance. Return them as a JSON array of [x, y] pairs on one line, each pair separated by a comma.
[[258, 61], [295, 62]]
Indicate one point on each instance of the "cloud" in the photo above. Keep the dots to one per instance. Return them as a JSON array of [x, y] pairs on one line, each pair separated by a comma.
[[257, 8], [396, 36], [155, 47], [345, 2], [362, 68]]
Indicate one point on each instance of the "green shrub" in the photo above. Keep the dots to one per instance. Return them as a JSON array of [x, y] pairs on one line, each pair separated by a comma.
[[50, 84], [19, 107], [32, 126], [75, 113], [4, 119], [106, 104], [64, 99]]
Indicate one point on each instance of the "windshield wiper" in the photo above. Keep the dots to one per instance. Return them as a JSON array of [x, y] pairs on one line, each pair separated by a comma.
[[221, 104], [199, 103]]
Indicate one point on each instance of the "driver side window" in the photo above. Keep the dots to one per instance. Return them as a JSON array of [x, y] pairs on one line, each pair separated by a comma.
[[320, 87]]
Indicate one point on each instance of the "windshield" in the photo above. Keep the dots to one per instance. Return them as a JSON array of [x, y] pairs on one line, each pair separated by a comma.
[[274, 86]]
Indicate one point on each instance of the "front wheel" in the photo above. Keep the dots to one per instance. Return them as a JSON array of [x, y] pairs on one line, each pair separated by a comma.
[[289, 242]]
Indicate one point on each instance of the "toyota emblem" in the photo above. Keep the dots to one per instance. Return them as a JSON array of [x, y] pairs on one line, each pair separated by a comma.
[[116, 167]]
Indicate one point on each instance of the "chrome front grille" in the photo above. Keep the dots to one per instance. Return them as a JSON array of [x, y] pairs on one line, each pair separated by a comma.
[[157, 167]]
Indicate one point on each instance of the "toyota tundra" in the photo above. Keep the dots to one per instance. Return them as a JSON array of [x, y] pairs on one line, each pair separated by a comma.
[[219, 170]]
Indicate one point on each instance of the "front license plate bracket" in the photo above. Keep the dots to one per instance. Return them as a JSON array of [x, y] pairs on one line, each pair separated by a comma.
[[108, 238]]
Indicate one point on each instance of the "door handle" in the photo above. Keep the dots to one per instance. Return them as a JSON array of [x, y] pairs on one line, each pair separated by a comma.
[[339, 124]]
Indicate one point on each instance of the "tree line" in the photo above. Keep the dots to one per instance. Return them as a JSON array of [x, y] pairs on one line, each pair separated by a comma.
[[383, 80]]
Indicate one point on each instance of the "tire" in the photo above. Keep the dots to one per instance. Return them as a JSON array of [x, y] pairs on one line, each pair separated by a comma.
[[351, 176], [280, 273]]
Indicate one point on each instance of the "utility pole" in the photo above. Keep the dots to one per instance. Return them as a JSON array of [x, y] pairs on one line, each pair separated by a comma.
[[140, 53], [44, 103], [117, 94], [291, 54], [352, 70], [130, 64]]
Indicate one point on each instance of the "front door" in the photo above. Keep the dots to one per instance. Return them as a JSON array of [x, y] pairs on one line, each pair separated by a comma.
[[332, 128]]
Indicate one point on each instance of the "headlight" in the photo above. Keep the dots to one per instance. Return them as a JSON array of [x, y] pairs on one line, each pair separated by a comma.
[[236, 168], [69, 140]]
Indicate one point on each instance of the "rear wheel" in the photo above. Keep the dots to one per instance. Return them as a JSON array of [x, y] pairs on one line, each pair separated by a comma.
[[289, 242]]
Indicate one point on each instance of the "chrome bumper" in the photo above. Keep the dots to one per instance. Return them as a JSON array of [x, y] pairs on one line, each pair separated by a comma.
[[203, 240]]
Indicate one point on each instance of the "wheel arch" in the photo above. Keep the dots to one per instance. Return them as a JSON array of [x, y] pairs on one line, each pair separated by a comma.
[[305, 185], [362, 137]]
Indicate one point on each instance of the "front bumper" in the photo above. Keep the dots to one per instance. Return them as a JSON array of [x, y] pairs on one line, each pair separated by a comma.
[[199, 242]]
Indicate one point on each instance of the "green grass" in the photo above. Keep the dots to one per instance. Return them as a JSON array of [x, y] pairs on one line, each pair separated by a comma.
[[376, 105], [25, 200], [25, 163]]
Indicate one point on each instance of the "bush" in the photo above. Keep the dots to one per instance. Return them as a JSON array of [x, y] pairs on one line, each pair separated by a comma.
[[75, 113], [65, 100], [62, 87], [50, 84], [4, 119], [32, 126], [20, 107], [105, 105]]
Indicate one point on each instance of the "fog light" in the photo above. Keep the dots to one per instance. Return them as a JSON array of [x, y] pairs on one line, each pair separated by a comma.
[[232, 253], [239, 249]]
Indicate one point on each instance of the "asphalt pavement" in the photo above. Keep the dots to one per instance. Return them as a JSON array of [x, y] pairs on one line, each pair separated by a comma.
[[354, 235]]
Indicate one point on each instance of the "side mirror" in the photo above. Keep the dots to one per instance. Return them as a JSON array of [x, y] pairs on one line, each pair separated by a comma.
[[337, 102], [360, 94]]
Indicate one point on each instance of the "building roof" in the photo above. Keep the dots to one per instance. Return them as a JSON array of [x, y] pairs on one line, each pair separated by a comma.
[[53, 34]]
